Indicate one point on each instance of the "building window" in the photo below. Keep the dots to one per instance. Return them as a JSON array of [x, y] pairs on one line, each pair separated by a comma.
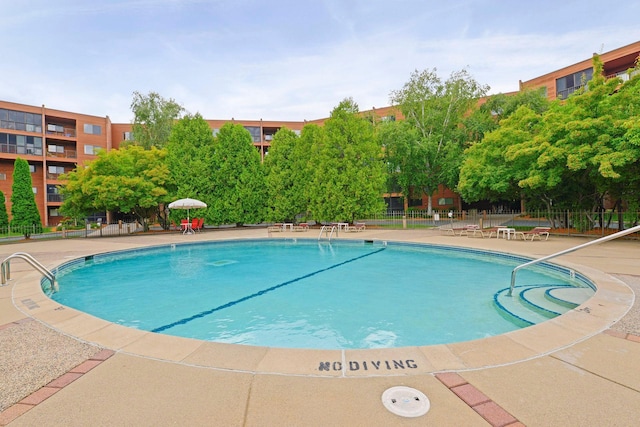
[[388, 118], [54, 212], [414, 202], [55, 149], [92, 129], [3, 176], [32, 168], [445, 201], [56, 170], [92, 149], [20, 120], [20, 144], [255, 133], [128, 136], [566, 85], [216, 132], [35, 190]]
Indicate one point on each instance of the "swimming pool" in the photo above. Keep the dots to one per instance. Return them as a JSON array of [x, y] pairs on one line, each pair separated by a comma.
[[304, 294]]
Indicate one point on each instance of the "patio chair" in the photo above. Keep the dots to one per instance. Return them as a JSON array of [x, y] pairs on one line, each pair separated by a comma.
[[488, 232], [357, 226], [197, 224], [535, 232], [275, 227], [303, 226], [473, 228]]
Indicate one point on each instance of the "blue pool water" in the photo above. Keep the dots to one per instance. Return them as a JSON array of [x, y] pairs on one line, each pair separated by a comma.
[[301, 293]]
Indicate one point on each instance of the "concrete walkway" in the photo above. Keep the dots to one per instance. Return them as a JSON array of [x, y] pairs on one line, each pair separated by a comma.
[[578, 369]]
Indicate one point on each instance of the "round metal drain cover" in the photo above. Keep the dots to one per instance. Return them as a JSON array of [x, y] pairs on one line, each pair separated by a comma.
[[406, 401]]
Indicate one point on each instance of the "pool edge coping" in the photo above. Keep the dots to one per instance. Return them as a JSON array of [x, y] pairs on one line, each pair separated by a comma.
[[611, 301]]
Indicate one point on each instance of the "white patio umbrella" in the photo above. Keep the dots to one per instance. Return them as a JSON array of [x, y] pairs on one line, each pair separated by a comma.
[[187, 204]]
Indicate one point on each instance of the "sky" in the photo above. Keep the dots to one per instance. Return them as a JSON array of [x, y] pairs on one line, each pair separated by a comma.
[[285, 59]]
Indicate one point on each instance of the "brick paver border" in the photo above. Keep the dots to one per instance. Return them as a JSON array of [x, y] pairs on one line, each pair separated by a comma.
[[40, 395]]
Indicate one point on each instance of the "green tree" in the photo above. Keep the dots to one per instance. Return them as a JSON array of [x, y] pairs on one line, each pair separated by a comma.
[[286, 192], [129, 180], [237, 189], [190, 160], [436, 109], [303, 168], [4, 216], [153, 118], [349, 174], [494, 167], [488, 115], [402, 156], [489, 170], [24, 211], [570, 156]]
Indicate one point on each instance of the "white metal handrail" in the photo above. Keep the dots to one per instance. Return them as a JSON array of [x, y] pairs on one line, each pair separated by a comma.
[[6, 267], [566, 251], [325, 229]]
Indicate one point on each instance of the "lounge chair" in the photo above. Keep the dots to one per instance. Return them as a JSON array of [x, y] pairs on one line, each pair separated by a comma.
[[485, 232], [470, 228], [275, 227], [535, 232], [357, 227], [303, 226]]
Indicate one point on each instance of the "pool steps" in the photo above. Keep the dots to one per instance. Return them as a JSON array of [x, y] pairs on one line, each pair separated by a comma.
[[537, 303]]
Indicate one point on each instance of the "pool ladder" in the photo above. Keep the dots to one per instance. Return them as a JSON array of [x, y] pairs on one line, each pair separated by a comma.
[[328, 230], [6, 267]]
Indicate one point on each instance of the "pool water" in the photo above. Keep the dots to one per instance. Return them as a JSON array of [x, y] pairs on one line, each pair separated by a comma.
[[301, 293]]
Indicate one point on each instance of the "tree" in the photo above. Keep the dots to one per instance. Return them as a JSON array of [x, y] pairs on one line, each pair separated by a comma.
[[4, 217], [488, 115], [489, 170], [494, 167], [129, 180], [24, 211], [153, 119], [190, 160], [349, 174], [286, 190], [571, 156], [237, 191], [402, 156], [436, 110]]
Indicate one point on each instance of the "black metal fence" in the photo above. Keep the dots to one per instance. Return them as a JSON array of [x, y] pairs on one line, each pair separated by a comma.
[[581, 223], [577, 223], [89, 230]]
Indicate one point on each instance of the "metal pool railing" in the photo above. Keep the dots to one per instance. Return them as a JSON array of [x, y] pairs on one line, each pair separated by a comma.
[[566, 251], [6, 267]]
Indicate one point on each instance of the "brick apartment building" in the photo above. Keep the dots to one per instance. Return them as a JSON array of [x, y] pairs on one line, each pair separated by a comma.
[[55, 142]]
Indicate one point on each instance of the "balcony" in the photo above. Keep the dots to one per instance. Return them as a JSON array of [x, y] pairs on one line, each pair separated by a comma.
[[61, 152], [58, 130], [55, 198], [19, 149], [623, 75], [53, 176], [564, 94]]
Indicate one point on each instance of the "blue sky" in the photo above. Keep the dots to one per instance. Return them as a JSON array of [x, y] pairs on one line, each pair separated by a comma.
[[285, 59]]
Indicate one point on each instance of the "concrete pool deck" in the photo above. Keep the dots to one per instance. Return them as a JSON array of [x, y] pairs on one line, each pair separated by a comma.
[[580, 368]]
